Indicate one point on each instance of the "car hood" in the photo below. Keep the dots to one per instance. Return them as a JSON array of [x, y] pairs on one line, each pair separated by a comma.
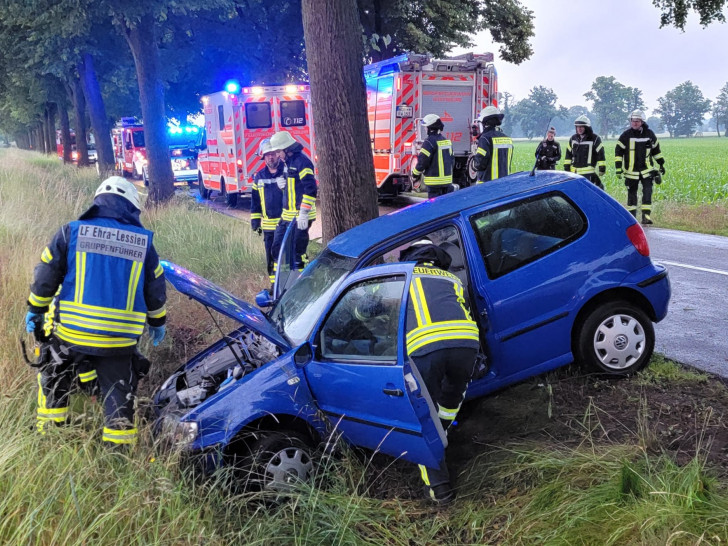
[[222, 301]]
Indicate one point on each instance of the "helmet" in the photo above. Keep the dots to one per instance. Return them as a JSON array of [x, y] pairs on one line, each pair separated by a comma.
[[265, 147], [281, 140], [426, 251], [582, 121], [429, 119], [116, 185], [490, 112], [638, 114]]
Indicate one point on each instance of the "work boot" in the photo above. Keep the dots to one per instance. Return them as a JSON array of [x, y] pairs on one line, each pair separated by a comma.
[[441, 495], [646, 220]]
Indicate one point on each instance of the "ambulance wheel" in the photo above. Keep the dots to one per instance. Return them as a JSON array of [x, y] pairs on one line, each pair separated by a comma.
[[204, 192], [231, 199], [471, 173]]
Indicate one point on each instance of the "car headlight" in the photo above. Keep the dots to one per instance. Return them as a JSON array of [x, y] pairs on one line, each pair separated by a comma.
[[185, 433]]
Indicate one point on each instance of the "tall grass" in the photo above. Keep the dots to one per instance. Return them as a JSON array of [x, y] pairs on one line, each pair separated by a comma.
[[65, 488]]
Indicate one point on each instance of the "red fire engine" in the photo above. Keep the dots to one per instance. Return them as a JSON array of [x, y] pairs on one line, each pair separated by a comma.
[[236, 121], [130, 155], [403, 90], [91, 146]]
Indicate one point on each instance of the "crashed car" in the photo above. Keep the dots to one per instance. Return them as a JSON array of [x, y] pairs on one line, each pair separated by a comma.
[[555, 270]]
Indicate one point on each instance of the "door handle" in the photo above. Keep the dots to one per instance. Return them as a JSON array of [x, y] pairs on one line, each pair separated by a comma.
[[393, 392]]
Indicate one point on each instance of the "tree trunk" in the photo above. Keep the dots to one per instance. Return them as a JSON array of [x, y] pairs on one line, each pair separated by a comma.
[[97, 112], [79, 110], [65, 133], [143, 44], [51, 127], [347, 190]]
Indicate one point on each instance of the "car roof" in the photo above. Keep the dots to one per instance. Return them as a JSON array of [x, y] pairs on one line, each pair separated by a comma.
[[359, 239]]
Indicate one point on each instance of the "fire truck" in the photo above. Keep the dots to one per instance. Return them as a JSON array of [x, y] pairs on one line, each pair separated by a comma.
[[236, 122], [403, 90], [130, 155], [91, 146]]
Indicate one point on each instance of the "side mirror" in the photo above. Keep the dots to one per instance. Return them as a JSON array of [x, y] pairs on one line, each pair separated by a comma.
[[303, 355], [263, 298]]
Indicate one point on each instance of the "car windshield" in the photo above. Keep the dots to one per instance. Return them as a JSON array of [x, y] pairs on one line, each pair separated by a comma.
[[302, 304], [138, 137]]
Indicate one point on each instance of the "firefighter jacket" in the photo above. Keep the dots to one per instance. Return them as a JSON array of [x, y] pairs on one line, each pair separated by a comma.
[[301, 187], [437, 316], [585, 154], [266, 201], [435, 161], [493, 157], [548, 154], [635, 152], [111, 281]]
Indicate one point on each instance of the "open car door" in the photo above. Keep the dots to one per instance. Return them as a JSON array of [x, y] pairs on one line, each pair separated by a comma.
[[360, 374], [286, 274]]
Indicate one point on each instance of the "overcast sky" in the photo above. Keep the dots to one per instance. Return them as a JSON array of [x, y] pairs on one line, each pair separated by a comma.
[[578, 40]]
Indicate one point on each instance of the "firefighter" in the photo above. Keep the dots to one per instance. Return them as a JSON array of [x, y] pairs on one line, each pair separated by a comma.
[[493, 157], [266, 204], [548, 153], [442, 340], [585, 153], [634, 155], [435, 159], [299, 198], [109, 283]]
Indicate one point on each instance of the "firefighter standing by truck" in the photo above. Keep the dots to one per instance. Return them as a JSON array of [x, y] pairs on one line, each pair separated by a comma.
[[435, 162], [585, 153], [548, 152], [109, 283], [634, 155], [494, 154], [266, 201], [299, 198]]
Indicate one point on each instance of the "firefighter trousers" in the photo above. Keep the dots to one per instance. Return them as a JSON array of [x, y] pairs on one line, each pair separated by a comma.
[[437, 191], [268, 237], [300, 244], [446, 373], [594, 179], [117, 383], [632, 188]]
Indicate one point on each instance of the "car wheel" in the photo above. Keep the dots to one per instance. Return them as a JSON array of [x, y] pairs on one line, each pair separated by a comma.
[[279, 460], [617, 338], [472, 174], [204, 192]]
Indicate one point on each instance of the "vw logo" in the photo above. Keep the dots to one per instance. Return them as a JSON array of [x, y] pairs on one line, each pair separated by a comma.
[[621, 342]]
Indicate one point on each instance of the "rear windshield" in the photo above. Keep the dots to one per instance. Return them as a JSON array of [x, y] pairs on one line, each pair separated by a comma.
[[258, 115], [293, 113]]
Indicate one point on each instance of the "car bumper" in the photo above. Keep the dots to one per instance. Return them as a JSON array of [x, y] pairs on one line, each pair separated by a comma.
[[654, 283], [185, 176]]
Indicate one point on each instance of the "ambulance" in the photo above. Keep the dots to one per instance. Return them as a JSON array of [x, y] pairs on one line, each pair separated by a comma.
[[130, 153], [236, 122], [403, 90]]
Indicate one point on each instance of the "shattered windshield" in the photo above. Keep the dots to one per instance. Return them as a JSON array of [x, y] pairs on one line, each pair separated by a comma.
[[302, 304]]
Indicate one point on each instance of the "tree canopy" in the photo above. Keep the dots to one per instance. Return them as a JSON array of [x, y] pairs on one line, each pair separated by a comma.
[[675, 12], [612, 102], [682, 109]]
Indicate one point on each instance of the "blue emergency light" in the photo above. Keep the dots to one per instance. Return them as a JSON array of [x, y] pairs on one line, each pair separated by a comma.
[[232, 87]]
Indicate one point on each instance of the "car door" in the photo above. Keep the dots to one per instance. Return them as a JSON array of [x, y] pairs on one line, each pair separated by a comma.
[[361, 377]]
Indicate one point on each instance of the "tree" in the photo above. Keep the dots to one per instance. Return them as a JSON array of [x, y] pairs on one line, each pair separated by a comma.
[[675, 12], [424, 26], [655, 123], [720, 110], [335, 64], [613, 103], [682, 109], [535, 113]]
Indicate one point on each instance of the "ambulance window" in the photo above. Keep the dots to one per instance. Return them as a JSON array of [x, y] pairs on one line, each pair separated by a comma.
[[221, 118], [293, 113], [257, 115]]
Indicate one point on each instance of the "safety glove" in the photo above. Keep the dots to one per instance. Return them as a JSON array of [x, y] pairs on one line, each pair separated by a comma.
[[302, 220], [33, 321], [157, 334], [255, 226], [662, 169], [281, 183]]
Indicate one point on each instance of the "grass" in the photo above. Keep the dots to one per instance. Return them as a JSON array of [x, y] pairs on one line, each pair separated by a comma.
[[65, 488], [694, 193]]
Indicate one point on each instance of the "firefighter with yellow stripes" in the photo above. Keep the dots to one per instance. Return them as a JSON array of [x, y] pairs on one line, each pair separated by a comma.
[[266, 202], [435, 161], [299, 198], [635, 155], [494, 154], [442, 340], [109, 285], [585, 153]]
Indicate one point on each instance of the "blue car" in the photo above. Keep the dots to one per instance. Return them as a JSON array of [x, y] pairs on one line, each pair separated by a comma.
[[555, 271]]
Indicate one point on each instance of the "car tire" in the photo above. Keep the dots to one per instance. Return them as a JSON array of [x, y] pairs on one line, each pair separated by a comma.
[[277, 461], [616, 338], [470, 172], [204, 192]]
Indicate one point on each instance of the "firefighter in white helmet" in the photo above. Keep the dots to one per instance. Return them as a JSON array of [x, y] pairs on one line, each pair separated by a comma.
[[635, 155], [299, 198], [494, 154], [585, 152], [435, 160], [266, 201]]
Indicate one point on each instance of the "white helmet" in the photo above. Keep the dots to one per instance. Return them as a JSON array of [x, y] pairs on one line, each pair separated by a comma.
[[582, 121], [429, 119], [638, 114], [265, 147], [116, 185], [281, 140], [489, 112]]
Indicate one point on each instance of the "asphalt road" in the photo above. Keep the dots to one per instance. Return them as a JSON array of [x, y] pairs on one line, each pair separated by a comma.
[[695, 331]]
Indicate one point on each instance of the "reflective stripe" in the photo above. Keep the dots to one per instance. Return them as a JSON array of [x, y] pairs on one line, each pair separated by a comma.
[[38, 301], [423, 151], [158, 313], [46, 256], [447, 413], [97, 324], [416, 172], [256, 216], [120, 436], [44, 413], [80, 276], [103, 312], [584, 170], [466, 327], [441, 336], [305, 172], [269, 224], [437, 180], [88, 376], [423, 473], [136, 273], [480, 151], [92, 340], [158, 271], [308, 200]]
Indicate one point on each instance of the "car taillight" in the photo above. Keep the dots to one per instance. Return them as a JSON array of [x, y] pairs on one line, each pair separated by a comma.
[[74, 155], [637, 235], [240, 162]]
